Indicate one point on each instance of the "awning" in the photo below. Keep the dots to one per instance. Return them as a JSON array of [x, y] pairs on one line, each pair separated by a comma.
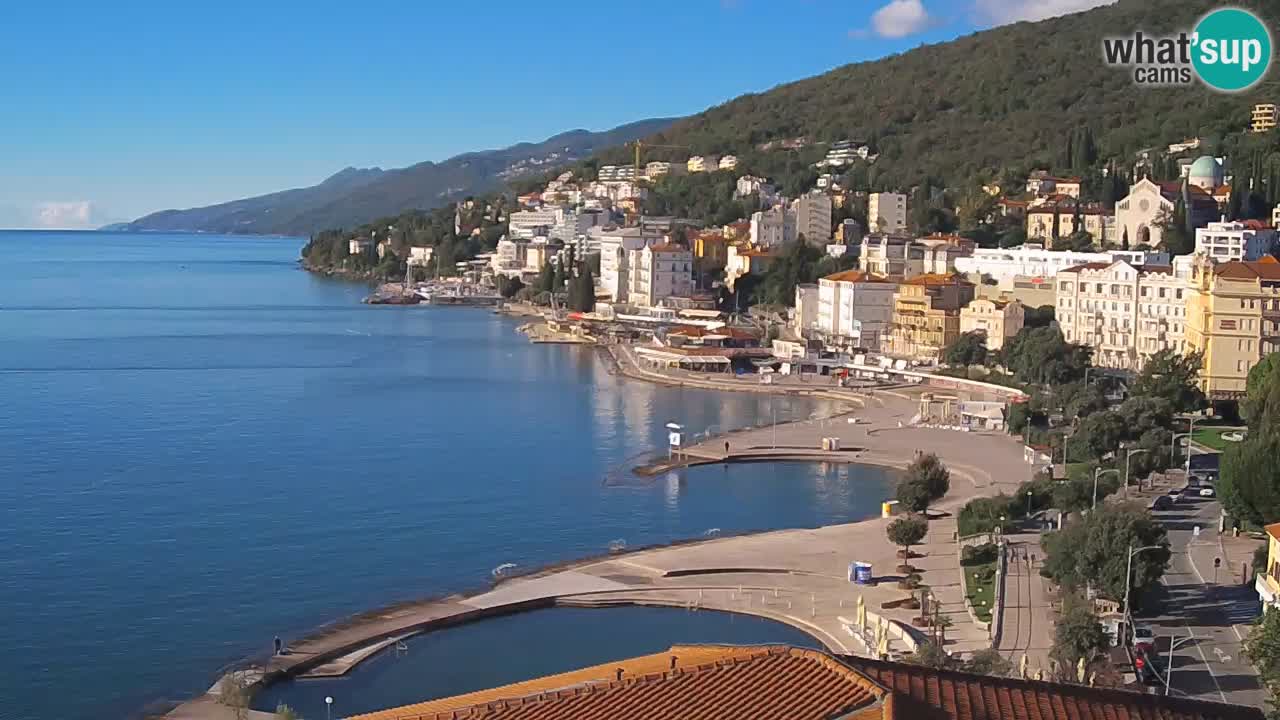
[[664, 356]]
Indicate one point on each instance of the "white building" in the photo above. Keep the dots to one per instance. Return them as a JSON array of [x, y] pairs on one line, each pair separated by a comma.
[[749, 185], [887, 255], [420, 256], [855, 309], [616, 246], [887, 212], [356, 246], [1139, 214], [845, 152], [703, 163], [1125, 313], [1005, 265], [1275, 217], [660, 271], [805, 317], [1226, 241], [772, 227], [728, 162], [813, 217], [611, 173], [659, 168]]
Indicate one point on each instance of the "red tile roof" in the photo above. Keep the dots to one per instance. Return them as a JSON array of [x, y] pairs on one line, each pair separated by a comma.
[[1273, 530], [1088, 266], [697, 682], [689, 683], [1268, 268], [935, 279], [922, 693], [855, 276]]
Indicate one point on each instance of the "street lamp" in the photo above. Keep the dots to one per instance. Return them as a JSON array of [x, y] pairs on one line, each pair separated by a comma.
[[1127, 457], [1173, 442], [328, 707], [1191, 430], [1028, 504], [1128, 575], [1097, 473]]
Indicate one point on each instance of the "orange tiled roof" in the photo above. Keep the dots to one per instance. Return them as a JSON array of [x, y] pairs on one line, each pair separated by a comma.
[[1268, 268], [934, 279], [667, 248], [1087, 266], [1273, 530], [855, 276], [926, 694], [688, 682]]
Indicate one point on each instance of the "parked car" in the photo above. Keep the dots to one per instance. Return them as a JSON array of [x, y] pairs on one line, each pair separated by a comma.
[[1144, 639], [1207, 491], [1164, 502], [1175, 496]]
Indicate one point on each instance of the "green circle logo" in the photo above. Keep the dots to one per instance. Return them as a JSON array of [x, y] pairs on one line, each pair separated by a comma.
[[1231, 49]]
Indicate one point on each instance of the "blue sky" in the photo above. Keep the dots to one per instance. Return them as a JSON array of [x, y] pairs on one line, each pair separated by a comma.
[[115, 109]]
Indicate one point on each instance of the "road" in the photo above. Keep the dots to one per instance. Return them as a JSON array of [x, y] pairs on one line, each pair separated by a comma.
[[1027, 625], [1214, 615]]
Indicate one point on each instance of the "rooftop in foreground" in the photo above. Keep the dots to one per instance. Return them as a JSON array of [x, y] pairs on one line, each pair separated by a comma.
[[717, 681]]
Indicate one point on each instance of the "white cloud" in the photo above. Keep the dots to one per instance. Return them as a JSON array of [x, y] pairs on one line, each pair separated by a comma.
[[1003, 12], [65, 215], [900, 18]]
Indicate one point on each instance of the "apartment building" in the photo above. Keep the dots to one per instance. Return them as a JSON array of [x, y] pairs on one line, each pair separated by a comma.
[[926, 316], [855, 309], [1233, 320], [616, 248], [813, 217], [660, 271], [744, 259], [1226, 241], [1126, 313], [659, 168], [616, 173], [1264, 118], [887, 212], [728, 162], [804, 318], [710, 250], [888, 255], [772, 227], [703, 163], [997, 319]]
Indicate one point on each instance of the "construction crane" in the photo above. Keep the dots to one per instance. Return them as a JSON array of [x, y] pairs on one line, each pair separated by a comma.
[[639, 144]]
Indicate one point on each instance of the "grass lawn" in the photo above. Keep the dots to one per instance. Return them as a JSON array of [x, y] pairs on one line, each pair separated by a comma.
[[981, 581], [1211, 437]]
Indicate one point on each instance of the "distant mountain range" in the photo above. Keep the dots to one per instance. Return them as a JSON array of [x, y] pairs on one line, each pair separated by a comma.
[[358, 195]]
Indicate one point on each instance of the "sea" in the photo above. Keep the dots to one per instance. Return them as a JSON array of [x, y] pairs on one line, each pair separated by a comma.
[[203, 446]]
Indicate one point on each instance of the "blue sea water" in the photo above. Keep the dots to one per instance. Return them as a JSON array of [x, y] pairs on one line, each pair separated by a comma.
[[202, 446]]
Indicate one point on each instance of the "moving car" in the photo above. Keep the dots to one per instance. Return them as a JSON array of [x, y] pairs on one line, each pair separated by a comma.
[[1150, 670], [1207, 491]]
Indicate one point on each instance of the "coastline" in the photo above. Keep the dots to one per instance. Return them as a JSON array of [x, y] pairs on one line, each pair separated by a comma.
[[718, 581]]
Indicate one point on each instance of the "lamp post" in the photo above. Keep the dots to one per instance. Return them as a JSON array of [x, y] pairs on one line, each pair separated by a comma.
[[1128, 575], [1028, 503], [328, 707], [1097, 473], [1127, 457], [1191, 430], [1173, 444]]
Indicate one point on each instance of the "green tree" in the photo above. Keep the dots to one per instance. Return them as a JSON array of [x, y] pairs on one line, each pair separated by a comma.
[[1173, 377], [1263, 650], [929, 473], [1261, 406], [988, 661], [1040, 355], [906, 531], [968, 349], [1098, 435], [1094, 551], [912, 495], [234, 692], [1249, 482], [1077, 635]]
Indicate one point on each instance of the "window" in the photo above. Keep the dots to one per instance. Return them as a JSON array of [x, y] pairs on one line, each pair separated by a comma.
[[1227, 324]]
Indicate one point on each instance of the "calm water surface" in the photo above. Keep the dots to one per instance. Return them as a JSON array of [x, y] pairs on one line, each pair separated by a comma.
[[202, 446]]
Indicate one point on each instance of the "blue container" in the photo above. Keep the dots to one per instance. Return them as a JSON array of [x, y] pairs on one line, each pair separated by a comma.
[[862, 573]]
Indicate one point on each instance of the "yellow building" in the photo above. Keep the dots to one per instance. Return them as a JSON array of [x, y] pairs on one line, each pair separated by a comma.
[[1233, 320], [926, 316], [1264, 117], [997, 319], [1266, 583], [1094, 219]]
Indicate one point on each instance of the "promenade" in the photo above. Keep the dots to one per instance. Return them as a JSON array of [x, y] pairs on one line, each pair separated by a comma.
[[799, 577]]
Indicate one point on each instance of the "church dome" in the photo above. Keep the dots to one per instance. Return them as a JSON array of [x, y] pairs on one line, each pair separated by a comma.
[[1206, 172]]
